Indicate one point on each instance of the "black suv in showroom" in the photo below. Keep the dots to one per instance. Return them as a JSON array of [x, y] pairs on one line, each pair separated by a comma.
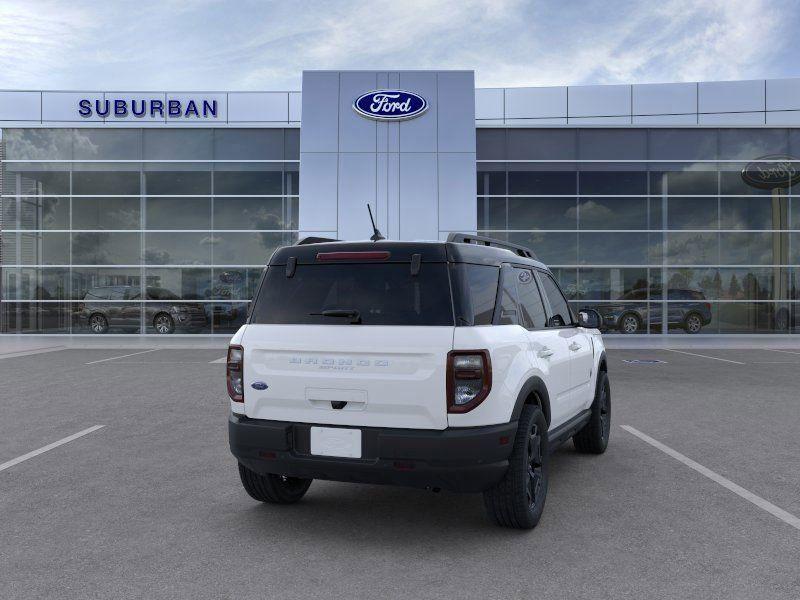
[[691, 314], [104, 308]]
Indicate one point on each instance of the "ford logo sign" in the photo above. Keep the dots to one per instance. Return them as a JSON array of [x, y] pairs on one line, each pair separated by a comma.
[[259, 385], [390, 105], [770, 172]]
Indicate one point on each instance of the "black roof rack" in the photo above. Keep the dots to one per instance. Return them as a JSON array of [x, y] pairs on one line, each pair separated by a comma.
[[314, 240], [468, 238]]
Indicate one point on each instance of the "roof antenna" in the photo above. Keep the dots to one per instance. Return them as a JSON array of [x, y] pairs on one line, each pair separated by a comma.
[[377, 234]]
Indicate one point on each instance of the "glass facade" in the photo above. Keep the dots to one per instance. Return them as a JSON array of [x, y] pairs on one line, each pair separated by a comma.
[[656, 228], [130, 230], [141, 230]]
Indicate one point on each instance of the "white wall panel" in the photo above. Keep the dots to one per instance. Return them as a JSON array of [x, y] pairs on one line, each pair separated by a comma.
[[664, 98], [418, 196], [318, 174], [20, 106], [783, 94], [536, 122], [63, 106], [458, 207], [599, 100], [320, 126], [295, 106], [742, 118], [536, 103], [420, 134], [258, 106], [456, 117], [356, 134], [783, 117], [357, 188], [600, 120], [489, 103], [665, 119], [731, 96]]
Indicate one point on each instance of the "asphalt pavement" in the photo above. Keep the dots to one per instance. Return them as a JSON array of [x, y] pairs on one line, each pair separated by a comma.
[[150, 504]]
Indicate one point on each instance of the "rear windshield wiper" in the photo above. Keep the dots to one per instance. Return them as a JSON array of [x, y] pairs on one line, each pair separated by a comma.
[[351, 313]]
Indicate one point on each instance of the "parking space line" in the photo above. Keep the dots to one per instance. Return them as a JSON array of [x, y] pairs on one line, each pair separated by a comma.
[[784, 351], [775, 511], [20, 353], [736, 362], [94, 362], [43, 449], [224, 359]]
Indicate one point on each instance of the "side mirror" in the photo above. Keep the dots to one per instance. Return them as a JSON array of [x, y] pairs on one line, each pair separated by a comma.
[[589, 318]]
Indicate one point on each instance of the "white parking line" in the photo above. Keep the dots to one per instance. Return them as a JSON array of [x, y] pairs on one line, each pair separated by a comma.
[[736, 362], [19, 353], [224, 359], [94, 362], [776, 511], [784, 351], [43, 449]]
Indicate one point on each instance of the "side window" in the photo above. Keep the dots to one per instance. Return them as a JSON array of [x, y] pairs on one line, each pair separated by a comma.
[[558, 304], [506, 310], [530, 300]]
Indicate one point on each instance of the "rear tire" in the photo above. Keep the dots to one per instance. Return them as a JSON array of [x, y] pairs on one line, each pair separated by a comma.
[[518, 500], [163, 324], [593, 438], [98, 323], [629, 323], [274, 489], [693, 323]]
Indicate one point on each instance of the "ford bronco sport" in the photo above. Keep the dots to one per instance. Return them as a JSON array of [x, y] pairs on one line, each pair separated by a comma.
[[452, 365]]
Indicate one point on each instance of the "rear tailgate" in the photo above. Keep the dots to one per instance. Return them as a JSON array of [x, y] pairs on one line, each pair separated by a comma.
[[371, 376]]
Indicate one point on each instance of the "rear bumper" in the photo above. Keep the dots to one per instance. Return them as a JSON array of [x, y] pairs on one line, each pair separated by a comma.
[[469, 459]]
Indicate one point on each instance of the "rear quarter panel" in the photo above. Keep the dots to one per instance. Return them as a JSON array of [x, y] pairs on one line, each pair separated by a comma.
[[511, 367]]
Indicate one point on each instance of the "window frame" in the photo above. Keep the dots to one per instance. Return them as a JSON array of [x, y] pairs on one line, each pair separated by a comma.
[[539, 273]]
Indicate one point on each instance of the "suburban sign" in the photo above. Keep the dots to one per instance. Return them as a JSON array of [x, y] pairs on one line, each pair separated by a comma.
[[390, 105], [148, 107], [770, 172]]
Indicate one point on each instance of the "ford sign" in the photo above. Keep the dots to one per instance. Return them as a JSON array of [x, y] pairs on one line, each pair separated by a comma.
[[390, 105], [770, 172]]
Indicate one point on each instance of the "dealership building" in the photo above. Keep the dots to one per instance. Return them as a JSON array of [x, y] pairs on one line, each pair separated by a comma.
[[669, 208]]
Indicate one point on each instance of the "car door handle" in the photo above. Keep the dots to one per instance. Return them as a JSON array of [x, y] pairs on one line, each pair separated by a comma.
[[574, 346], [545, 352]]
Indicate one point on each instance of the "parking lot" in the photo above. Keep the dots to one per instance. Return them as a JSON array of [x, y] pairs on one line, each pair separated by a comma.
[[150, 506]]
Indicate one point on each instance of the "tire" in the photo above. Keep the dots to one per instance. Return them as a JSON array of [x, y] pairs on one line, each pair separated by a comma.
[[98, 323], [693, 323], [163, 323], [517, 501], [629, 323], [593, 438], [273, 489]]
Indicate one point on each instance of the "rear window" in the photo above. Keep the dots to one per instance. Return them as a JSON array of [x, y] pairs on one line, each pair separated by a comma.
[[382, 294]]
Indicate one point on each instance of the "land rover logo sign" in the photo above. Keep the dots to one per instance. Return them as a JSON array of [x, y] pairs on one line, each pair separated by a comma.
[[770, 172], [390, 105]]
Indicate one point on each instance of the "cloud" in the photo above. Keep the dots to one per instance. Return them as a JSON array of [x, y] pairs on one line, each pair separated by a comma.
[[265, 45]]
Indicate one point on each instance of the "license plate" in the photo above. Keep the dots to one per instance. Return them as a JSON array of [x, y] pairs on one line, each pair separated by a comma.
[[336, 441]]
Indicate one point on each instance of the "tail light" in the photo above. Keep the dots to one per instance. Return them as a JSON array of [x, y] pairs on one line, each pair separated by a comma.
[[235, 373], [708, 306], [469, 379]]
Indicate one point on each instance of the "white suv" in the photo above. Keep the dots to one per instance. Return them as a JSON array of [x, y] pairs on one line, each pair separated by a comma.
[[455, 365]]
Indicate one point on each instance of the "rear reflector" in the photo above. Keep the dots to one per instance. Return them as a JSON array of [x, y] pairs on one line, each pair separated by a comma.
[[370, 255]]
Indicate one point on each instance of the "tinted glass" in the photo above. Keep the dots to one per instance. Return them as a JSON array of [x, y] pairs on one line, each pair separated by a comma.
[[561, 315], [475, 290], [508, 314], [530, 300], [382, 294]]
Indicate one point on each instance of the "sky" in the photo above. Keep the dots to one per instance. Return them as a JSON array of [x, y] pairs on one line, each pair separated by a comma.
[[207, 45]]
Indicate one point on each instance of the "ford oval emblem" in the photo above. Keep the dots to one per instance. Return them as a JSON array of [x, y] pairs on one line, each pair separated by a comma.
[[390, 105], [770, 172], [259, 385]]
